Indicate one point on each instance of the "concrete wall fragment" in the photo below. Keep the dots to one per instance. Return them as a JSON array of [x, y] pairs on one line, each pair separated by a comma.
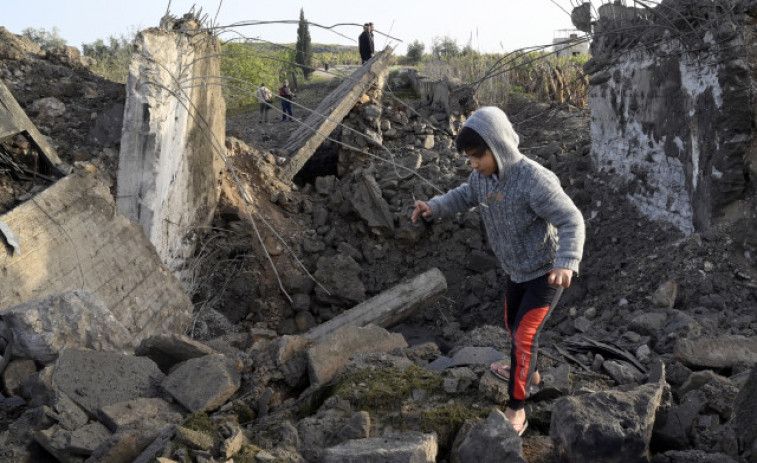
[[672, 112], [72, 238], [174, 129]]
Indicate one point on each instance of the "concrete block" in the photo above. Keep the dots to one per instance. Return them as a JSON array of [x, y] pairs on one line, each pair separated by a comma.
[[73, 238]]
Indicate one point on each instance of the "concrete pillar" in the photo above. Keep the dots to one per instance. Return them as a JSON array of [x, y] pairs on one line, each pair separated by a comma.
[[174, 127]]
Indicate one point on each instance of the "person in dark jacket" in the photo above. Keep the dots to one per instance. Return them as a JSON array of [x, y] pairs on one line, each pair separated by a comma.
[[535, 230], [366, 42], [287, 95]]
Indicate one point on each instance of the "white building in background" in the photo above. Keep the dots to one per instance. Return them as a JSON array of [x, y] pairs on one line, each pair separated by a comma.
[[570, 42]]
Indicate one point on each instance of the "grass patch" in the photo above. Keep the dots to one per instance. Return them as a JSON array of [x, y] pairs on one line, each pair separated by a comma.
[[378, 389], [200, 422], [386, 388], [447, 419]]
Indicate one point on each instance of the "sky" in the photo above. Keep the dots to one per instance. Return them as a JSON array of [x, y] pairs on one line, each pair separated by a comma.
[[490, 26]]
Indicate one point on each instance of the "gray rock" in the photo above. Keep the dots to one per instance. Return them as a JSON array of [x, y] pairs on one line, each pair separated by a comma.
[[74, 319], [555, 383], [609, 426], [468, 356], [72, 446], [126, 445], [665, 295], [368, 203], [358, 426], [232, 444], [204, 383], [493, 388], [133, 412], [673, 427], [193, 439], [720, 352], [622, 372], [691, 456], [67, 414], [410, 447], [340, 274], [168, 350], [15, 373], [491, 441], [745, 411], [95, 379], [329, 356], [149, 454]]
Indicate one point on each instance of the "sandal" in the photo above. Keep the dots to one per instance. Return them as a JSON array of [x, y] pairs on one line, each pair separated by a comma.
[[500, 371]]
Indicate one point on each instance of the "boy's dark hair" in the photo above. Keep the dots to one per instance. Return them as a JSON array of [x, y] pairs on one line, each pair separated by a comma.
[[468, 139]]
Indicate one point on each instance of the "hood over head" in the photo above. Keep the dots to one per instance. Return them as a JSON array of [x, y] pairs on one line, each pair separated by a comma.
[[495, 128]]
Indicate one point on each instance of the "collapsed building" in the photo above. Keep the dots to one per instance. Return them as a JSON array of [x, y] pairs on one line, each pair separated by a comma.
[[673, 109], [169, 165]]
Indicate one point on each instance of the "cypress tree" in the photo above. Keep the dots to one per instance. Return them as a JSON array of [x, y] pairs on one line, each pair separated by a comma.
[[304, 48]]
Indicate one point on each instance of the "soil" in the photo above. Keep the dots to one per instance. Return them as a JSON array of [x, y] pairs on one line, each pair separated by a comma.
[[626, 256], [243, 275]]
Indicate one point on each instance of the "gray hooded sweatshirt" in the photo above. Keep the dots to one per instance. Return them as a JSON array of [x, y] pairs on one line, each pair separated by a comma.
[[532, 225]]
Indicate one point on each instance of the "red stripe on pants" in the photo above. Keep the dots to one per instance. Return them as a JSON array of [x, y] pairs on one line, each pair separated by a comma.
[[524, 340]]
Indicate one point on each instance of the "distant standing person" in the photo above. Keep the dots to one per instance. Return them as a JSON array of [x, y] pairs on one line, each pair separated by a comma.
[[265, 99], [366, 42], [287, 95]]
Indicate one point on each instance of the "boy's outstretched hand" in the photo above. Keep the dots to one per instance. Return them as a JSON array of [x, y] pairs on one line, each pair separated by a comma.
[[560, 277], [421, 209]]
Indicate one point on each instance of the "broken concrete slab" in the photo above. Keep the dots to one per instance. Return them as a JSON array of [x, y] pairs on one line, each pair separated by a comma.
[[389, 307], [126, 445], [72, 446], [167, 350], [467, 356], [69, 233], [203, 383], [42, 328], [329, 114], [96, 379], [14, 121], [721, 352], [407, 447], [493, 439], [172, 140], [331, 354], [132, 413], [610, 426]]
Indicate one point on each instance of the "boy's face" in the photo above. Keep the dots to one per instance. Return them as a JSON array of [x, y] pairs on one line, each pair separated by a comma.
[[485, 164]]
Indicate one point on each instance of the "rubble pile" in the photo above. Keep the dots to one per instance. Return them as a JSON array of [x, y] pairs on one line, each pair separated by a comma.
[[649, 356]]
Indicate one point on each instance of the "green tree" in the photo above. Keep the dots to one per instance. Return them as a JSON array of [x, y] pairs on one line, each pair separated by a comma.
[[415, 52], [45, 39], [245, 66], [304, 48], [446, 47], [111, 58]]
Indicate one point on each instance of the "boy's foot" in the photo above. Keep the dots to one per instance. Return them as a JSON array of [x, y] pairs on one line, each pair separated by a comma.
[[517, 419], [521, 428], [503, 372]]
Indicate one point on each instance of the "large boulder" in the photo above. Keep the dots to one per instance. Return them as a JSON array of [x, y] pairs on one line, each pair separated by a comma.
[[608, 426]]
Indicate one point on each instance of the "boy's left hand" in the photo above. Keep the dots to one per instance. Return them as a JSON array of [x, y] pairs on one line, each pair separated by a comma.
[[560, 277]]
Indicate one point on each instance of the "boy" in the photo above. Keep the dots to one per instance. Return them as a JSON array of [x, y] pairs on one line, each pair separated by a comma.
[[534, 229]]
